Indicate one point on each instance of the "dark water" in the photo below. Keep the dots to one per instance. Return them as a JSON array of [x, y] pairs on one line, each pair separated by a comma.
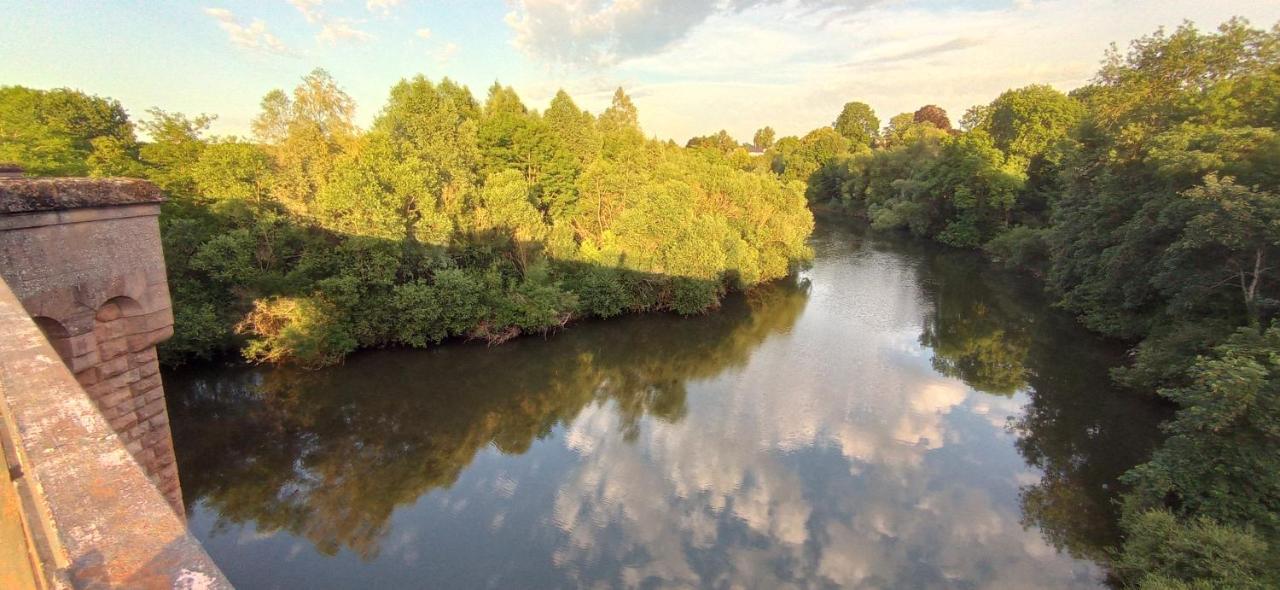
[[897, 417]]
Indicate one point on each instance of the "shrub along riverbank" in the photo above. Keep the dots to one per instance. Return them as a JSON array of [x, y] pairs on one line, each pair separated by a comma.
[[1149, 202]]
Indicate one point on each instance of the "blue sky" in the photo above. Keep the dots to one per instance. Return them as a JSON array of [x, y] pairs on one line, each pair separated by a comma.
[[692, 66]]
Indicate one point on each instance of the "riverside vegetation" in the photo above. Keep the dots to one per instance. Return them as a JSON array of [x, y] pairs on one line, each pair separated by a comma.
[[1146, 201], [447, 218]]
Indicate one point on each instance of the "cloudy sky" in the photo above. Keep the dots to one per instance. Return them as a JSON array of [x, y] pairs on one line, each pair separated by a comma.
[[693, 66]]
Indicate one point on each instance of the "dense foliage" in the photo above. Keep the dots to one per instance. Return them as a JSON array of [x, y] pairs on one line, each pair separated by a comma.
[[1149, 200], [447, 218]]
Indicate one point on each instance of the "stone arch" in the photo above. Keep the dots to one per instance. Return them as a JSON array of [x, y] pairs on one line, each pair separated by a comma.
[[56, 334], [113, 324]]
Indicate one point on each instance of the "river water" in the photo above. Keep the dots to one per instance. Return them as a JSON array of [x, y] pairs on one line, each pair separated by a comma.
[[897, 416]]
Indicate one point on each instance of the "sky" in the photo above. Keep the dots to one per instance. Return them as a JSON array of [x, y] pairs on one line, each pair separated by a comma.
[[691, 66]]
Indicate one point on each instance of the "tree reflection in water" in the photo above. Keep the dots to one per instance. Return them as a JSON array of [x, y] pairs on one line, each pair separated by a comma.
[[996, 332], [850, 432], [329, 455]]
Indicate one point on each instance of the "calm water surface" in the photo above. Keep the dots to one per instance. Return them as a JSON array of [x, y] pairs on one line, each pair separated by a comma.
[[898, 416]]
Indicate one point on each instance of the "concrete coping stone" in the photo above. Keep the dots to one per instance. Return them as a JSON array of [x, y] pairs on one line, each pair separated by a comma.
[[30, 195]]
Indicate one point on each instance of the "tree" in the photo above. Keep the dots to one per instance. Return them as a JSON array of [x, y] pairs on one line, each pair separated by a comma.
[[575, 128], [1219, 461], [65, 133], [720, 141], [858, 123], [932, 114], [763, 139], [233, 171], [1025, 122], [619, 125], [176, 144], [305, 133], [1232, 242]]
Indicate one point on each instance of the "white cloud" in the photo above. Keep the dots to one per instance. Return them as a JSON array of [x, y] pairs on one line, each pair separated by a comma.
[[424, 33], [253, 36], [310, 9], [792, 64], [604, 32], [382, 6], [336, 31]]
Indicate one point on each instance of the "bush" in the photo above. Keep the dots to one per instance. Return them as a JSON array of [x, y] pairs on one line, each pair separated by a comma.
[[1163, 552], [1020, 248], [302, 330]]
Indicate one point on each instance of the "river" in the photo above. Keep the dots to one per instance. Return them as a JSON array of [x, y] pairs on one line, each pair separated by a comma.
[[897, 416]]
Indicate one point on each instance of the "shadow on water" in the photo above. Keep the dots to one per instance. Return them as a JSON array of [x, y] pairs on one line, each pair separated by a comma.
[[791, 438]]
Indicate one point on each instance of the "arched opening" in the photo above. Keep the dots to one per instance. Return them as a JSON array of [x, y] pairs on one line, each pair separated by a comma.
[[112, 326], [118, 307], [57, 336]]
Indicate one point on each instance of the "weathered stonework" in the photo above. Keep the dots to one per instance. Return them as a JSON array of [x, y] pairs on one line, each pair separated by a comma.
[[88, 515], [84, 258]]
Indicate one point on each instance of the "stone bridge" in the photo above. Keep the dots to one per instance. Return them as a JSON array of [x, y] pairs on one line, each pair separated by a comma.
[[92, 473]]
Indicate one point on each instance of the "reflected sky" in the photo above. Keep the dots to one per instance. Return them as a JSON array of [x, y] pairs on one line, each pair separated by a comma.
[[863, 426]]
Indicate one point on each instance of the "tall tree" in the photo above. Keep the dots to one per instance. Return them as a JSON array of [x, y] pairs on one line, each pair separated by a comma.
[[935, 114], [763, 138], [858, 123], [1025, 122]]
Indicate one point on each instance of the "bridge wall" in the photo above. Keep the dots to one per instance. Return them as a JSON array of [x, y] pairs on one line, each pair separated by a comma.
[[83, 256], [88, 515]]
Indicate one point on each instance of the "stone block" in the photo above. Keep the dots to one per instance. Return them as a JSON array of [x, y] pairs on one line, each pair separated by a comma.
[[82, 344], [124, 422], [115, 398], [135, 433], [152, 321], [88, 377], [122, 380], [150, 368], [145, 355], [154, 394], [159, 420], [110, 349], [151, 409], [84, 361], [144, 340], [145, 384], [99, 389], [111, 330], [115, 366]]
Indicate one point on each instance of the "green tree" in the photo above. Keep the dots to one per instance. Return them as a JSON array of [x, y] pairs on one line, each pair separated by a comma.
[[305, 133], [177, 141], [858, 124], [233, 171], [763, 139], [619, 125], [1025, 122], [1219, 461], [64, 132]]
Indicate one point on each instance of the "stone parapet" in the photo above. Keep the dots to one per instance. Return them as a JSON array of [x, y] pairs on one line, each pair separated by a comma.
[[91, 517]]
